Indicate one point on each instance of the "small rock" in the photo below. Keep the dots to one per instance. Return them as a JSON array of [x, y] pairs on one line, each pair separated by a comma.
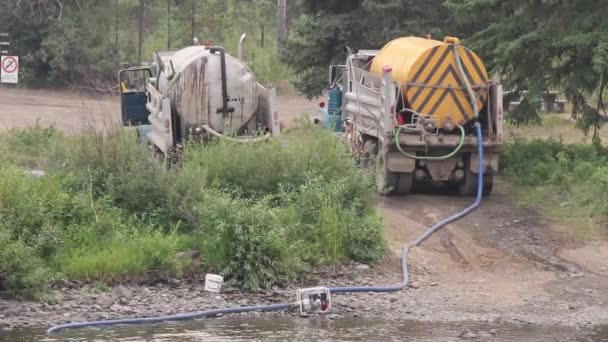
[[104, 301], [414, 285], [434, 284], [576, 275], [36, 173], [304, 315], [493, 332], [392, 299], [12, 311], [332, 316], [467, 335], [188, 255], [362, 267], [571, 307], [125, 292], [485, 334], [123, 301], [603, 269]]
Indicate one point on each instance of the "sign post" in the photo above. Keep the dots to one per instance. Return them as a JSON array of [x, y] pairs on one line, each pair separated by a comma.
[[5, 43], [9, 65], [9, 69]]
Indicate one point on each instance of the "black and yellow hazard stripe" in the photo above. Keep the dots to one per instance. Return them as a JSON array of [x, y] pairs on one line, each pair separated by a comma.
[[436, 86]]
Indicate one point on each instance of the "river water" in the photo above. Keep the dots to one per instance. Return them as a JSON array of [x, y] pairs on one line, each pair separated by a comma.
[[317, 329]]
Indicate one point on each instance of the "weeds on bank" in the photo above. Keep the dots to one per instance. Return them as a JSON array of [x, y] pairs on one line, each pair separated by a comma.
[[259, 214], [570, 181]]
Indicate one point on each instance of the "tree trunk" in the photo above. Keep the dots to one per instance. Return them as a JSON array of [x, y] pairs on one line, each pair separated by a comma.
[[140, 31], [116, 49], [168, 24], [262, 37], [193, 20], [282, 22]]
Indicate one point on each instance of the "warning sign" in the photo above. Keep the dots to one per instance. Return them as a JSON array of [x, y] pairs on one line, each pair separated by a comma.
[[9, 69]]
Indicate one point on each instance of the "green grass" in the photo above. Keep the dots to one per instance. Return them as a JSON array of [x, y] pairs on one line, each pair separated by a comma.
[[568, 181], [28, 147], [108, 211]]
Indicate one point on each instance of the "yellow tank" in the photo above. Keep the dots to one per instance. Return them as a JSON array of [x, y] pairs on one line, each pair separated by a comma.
[[431, 80]]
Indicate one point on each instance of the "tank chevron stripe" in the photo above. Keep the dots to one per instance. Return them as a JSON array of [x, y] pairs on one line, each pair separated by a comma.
[[456, 75], [451, 92], [448, 71], [426, 62], [433, 71], [472, 61]]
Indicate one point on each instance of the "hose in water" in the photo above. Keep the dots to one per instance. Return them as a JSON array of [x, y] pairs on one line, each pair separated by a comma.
[[177, 317], [286, 306]]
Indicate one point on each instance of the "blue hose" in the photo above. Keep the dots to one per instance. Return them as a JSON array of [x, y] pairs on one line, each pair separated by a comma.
[[286, 306], [428, 233], [177, 317]]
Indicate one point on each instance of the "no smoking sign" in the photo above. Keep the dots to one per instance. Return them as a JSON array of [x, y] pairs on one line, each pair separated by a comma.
[[9, 69]]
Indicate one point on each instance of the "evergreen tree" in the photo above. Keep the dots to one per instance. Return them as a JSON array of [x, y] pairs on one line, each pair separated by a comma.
[[539, 45], [319, 36]]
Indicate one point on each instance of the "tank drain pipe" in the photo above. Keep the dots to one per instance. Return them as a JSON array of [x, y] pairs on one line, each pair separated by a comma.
[[466, 81], [242, 141], [241, 46], [287, 306]]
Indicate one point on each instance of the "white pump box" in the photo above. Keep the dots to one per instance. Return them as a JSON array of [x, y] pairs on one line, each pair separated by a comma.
[[213, 283]]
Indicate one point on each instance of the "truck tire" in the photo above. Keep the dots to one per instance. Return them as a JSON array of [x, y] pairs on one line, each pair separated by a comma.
[[488, 183], [370, 152], [406, 182], [386, 181], [469, 186]]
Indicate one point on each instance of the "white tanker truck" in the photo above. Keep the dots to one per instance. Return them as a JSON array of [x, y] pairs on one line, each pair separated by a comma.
[[195, 93]]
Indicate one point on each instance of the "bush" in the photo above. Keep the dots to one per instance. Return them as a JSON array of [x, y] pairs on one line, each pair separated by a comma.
[[28, 147], [259, 213], [574, 174], [110, 164], [22, 272]]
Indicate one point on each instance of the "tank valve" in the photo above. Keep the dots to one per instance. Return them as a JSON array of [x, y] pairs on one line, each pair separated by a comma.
[[314, 299]]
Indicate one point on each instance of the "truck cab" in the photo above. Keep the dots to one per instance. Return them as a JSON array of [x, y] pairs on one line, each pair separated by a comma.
[[133, 96]]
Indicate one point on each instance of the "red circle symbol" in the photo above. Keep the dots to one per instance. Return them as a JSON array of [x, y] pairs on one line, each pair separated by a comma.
[[9, 64]]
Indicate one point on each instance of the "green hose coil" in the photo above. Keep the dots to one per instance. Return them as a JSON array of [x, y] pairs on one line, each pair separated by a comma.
[[447, 156]]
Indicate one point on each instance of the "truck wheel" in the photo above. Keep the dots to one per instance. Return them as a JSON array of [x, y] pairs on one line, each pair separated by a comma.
[[488, 183], [406, 182], [386, 181], [469, 186], [370, 151]]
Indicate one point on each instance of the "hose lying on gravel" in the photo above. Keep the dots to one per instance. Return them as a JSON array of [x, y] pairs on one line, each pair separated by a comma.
[[286, 306]]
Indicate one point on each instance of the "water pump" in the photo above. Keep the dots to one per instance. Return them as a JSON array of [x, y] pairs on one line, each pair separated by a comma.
[[314, 299]]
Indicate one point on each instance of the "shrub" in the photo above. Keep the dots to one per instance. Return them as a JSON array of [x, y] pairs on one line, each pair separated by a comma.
[[110, 164], [28, 147], [22, 272], [258, 213], [575, 174]]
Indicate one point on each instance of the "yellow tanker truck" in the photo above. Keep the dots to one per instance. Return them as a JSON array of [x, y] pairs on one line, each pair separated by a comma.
[[413, 105]]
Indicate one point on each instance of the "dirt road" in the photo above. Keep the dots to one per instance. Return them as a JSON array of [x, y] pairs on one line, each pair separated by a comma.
[[503, 263], [68, 112]]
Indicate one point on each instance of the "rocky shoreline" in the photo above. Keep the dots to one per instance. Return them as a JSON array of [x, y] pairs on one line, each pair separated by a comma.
[[425, 301]]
